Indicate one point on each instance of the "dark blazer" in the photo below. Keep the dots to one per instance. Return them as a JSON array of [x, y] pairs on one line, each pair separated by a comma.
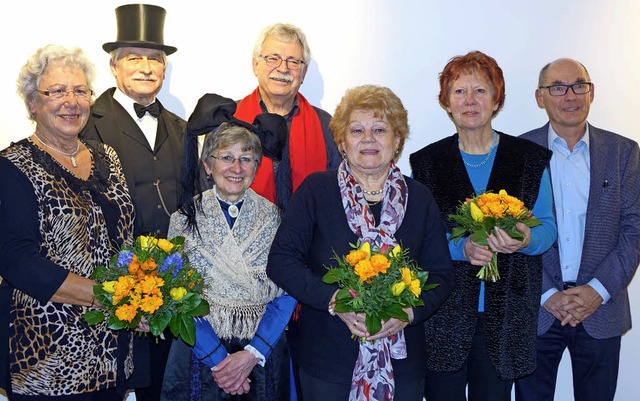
[[313, 227], [146, 170], [611, 250]]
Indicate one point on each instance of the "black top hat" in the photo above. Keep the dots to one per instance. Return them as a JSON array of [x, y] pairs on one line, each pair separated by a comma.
[[140, 25]]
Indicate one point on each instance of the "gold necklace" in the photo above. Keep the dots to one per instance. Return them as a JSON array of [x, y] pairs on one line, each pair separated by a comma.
[[71, 155]]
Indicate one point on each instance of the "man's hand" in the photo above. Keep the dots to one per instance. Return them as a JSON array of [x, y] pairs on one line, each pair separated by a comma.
[[558, 303], [587, 301]]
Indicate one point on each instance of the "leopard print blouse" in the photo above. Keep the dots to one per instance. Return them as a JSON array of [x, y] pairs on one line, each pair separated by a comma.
[[52, 350]]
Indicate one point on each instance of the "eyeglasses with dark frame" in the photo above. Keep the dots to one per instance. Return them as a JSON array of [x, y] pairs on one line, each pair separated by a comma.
[[275, 61], [59, 93], [229, 160], [579, 88]]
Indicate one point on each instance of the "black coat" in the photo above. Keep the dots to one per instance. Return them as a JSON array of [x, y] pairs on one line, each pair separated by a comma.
[[313, 227], [143, 166]]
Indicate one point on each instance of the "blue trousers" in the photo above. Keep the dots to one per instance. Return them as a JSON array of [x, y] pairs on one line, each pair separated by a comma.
[[594, 364]]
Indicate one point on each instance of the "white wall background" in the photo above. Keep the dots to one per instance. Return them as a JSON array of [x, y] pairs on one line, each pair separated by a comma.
[[402, 44]]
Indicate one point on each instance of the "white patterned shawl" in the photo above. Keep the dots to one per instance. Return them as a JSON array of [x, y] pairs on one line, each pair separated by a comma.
[[233, 261]]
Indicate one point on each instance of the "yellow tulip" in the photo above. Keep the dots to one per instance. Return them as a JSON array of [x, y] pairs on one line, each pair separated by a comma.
[[147, 242], [108, 286], [178, 293], [165, 245], [395, 251], [365, 247], [476, 213], [397, 288]]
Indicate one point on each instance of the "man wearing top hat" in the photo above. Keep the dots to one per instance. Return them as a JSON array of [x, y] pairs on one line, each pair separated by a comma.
[[148, 140]]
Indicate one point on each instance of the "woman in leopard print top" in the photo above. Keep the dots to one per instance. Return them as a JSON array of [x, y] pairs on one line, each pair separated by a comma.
[[64, 204]]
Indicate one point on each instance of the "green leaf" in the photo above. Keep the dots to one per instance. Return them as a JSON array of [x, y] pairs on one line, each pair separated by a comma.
[[187, 329], [201, 309], [395, 310], [333, 276], [174, 325], [479, 237], [116, 324], [373, 323], [158, 322], [94, 317]]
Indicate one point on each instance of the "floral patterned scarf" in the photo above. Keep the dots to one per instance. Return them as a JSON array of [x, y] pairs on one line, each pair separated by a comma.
[[372, 378]]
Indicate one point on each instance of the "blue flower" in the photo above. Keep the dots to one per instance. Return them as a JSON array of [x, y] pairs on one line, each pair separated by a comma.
[[124, 258], [175, 260]]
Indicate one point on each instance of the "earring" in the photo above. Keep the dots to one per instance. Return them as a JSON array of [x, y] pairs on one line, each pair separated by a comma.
[[344, 154]]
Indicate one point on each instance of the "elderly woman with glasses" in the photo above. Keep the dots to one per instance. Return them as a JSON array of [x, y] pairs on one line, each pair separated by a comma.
[[228, 229], [63, 205]]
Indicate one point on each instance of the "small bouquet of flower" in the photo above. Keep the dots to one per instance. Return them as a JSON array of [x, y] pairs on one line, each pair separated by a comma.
[[479, 215], [377, 283], [151, 279]]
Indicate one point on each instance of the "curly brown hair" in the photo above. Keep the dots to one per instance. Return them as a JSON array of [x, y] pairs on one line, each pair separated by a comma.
[[379, 99]]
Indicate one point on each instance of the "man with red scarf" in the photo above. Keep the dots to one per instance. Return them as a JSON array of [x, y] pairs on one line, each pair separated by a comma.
[[280, 60]]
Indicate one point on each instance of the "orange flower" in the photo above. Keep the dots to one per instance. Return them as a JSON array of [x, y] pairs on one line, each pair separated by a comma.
[[148, 265], [365, 270], [150, 285], [126, 312], [150, 303], [134, 265], [380, 263], [122, 288], [356, 256]]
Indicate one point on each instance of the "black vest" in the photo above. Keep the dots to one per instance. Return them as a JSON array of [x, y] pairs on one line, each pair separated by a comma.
[[511, 303]]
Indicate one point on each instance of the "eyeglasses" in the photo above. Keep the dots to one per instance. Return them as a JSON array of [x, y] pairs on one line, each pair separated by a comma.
[[59, 93], [579, 88], [244, 160], [275, 61]]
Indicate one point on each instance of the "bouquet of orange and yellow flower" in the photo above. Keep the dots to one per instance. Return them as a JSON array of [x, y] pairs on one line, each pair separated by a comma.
[[151, 279], [479, 215], [378, 283]]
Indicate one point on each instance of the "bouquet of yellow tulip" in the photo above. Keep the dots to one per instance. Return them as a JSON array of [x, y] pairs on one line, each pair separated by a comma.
[[151, 279], [377, 283], [479, 215]]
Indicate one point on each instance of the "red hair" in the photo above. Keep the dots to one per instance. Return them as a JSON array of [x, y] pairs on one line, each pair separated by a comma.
[[472, 62]]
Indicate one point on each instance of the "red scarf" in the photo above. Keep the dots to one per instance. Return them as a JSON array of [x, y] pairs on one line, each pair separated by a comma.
[[307, 150]]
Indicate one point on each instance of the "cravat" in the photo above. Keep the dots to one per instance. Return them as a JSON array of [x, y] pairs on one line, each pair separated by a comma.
[[153, 109]]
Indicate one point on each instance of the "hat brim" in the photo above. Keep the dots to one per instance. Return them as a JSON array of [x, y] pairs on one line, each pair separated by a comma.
[[110, 46]]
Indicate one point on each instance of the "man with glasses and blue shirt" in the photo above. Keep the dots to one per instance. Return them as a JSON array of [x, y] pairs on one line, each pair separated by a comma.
[[596, 185], [148, 140], [281, 57]]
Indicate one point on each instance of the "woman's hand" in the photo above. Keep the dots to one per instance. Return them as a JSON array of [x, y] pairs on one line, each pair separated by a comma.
[[143, 326], [477, 255], [232, 374], [391, 326], [355, 322], [501, 242]]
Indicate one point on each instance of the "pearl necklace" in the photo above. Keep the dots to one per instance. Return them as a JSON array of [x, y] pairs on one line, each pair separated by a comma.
[[378, 192], [233, 208], [493, 145], [71, 155]]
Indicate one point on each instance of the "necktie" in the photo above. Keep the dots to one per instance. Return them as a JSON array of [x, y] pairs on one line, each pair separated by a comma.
[[153, 109]]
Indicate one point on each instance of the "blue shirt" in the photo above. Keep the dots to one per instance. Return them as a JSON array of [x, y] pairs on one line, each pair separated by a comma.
[[570, 172], [542, 236]]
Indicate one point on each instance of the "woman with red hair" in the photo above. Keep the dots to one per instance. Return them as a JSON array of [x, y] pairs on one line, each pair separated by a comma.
[[484, 335]]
